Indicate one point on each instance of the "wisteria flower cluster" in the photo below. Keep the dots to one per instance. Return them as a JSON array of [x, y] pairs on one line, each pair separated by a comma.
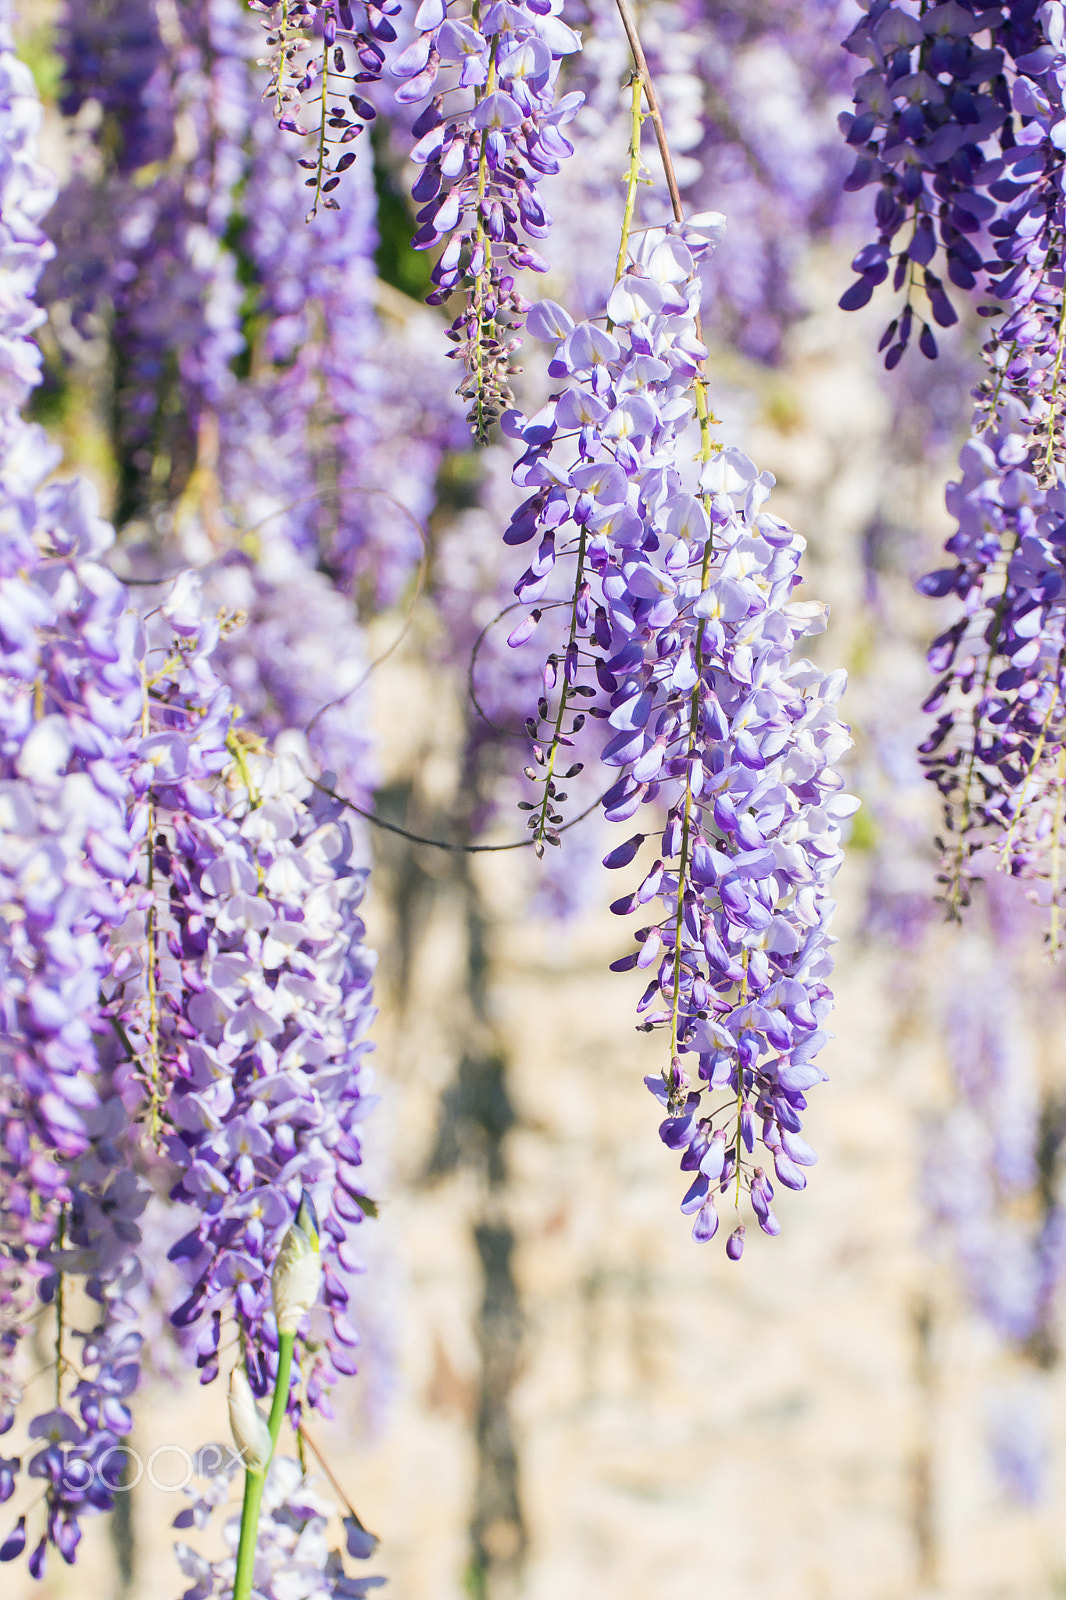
[[480, 169], [67, 837], [983, 1158], [293, 1556], [247, 1092], [481, 163], [966, 141], [995, 752], [682, 614], [244, 992], [926, 108], [146, 840], [259, 397], [319, 64]]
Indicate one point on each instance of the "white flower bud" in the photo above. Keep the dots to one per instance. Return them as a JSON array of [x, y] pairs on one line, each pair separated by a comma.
[[297, 1277], [248, 1424]]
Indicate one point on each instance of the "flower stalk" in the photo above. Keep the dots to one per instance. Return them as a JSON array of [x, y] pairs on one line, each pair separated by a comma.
[[255, 1476], [295, 1283]]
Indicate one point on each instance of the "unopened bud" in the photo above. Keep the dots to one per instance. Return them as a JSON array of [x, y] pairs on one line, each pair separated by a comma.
[[297, 1275], [247, 1423]]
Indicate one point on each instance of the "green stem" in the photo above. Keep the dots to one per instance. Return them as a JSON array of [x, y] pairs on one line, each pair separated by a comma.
[[283, 40], [279, 1404], [483, 281], [953, 896], [1049, 457], [640, 63], [254, 1481], [636, 120], [253, 1496]]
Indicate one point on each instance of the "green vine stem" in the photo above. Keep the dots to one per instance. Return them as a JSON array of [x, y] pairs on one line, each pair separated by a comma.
[[254, 1479]]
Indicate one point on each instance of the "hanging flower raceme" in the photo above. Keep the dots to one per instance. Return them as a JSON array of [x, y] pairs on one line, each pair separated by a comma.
[[67, 670], [1026, 351], [244, 992], [682, 615], [998, 750], [330, 449], [68, 682], [481, 165], [69, 687], [293, 465], [934, 99], [77, 1451], [982, 1155], [322, 55], [992, 1168], [115, 56], [239, 988], [142, 226], [961, 120]]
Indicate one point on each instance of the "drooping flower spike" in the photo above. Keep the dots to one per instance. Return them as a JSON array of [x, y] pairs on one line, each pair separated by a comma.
[[131, 814], [322, 55], [243, 991], [996, 751], [958, 135], [481, 163], [682, 630], [927, 110]]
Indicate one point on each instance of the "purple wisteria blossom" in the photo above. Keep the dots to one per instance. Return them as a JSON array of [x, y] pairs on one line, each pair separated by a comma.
[[982, 1156], [110, 53], [481, 163], [996, 751], [322, 56], [956, 122], [155, 858], [330, 446], [926, 110], [681, 614], [263, 417], [293, 1556], [77, 1451], [472, 588], [141, 229], [934, 128], [243, 989], [1018, 1440], [67, 670], [992, 1167], [69, 689]]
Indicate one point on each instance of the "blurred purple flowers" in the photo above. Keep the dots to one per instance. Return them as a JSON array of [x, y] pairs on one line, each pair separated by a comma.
[[152, 848]]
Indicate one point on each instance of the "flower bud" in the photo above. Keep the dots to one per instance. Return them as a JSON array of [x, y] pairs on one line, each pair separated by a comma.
[[247, 1423], [297, 1274]]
